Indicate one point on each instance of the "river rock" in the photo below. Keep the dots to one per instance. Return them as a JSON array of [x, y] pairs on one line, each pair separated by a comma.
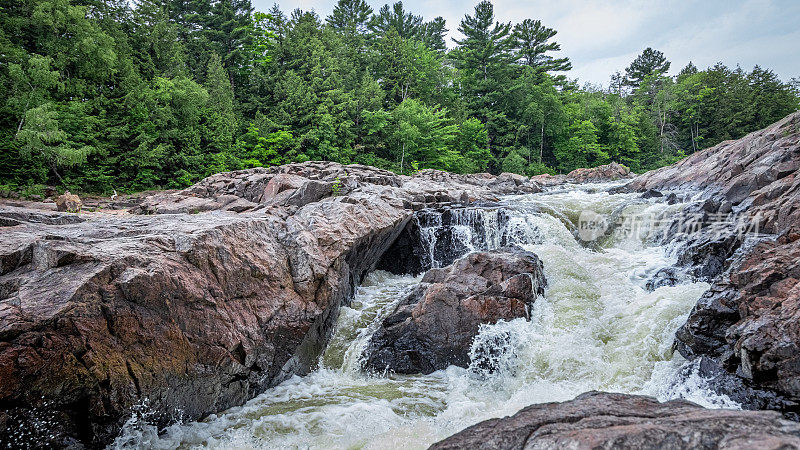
[[198, 301], [599, 174], [68, 202], [603, 420], [607, 172], [750, 198], [434, 326]]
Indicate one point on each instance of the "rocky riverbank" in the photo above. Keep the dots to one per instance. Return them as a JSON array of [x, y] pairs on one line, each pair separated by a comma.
[[198, 300], [748, 245]]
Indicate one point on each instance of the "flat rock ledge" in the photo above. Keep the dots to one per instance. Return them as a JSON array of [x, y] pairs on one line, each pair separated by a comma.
[[596, 420]]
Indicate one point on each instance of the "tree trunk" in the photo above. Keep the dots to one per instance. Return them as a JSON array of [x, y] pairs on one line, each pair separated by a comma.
[[53, 167], [541, 144], [402, 158]]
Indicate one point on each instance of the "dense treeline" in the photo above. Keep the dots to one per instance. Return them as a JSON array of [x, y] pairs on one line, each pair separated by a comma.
[[103, 95]]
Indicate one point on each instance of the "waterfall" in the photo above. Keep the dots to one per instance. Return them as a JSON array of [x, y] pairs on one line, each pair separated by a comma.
[[448, 235]]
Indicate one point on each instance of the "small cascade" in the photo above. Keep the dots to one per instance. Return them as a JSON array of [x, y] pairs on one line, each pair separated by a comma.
[[445, 236]]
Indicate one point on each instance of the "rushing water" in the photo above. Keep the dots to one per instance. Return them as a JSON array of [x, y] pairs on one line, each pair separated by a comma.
[[596, 328]]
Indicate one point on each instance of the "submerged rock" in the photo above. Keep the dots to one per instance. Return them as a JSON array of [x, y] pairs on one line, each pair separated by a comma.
[[434, 326], [620, 421]]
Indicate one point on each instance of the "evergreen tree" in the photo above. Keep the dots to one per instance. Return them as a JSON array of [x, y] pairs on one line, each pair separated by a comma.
[[350, 17], [483, 59], [433, 34], [532, 41], [220, 117], [405, 24], [227, 29], [690, 69], [650, 62]]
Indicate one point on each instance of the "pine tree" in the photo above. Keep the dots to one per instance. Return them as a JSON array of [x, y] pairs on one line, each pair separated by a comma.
[[221, 120], [532, 44], [690, 69], [433, 34], [483, 59], [650, 62], [228, 31], [350, 17], [407, 25]]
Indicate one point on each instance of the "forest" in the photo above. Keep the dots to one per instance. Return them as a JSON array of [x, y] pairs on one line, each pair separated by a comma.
[[115, 95]]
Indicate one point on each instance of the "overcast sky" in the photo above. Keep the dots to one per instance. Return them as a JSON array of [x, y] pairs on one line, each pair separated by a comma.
[[604, 36]]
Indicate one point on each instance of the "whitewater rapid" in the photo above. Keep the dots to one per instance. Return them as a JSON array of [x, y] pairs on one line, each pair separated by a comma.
[[596, 328]]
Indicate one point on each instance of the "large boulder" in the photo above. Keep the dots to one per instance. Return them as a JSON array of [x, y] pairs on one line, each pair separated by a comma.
[[68, 202], [599, 174], [602, 420], [194, 313], [434, 326], [748, 244], [180, 312]]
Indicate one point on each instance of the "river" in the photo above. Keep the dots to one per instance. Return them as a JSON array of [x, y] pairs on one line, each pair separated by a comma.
[[596, 328]]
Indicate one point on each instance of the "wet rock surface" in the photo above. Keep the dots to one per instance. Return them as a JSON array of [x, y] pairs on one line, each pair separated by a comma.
[[434, 326], [738, 389], [201, 301], [748, 244], [604, 420]]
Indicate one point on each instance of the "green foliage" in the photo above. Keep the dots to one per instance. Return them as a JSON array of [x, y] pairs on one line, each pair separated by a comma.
[[415, 132], [264, 151], [104, 96], [337, 187], [42, 139], [514, 163], [472, 142]]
